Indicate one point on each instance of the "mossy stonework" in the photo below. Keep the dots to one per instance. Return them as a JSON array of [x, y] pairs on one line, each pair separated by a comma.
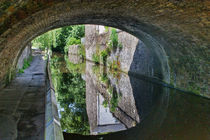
[[176, 31]]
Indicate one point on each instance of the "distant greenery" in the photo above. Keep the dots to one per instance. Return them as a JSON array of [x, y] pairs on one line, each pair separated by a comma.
[[71, 41], [59, 39], [70, 92], [26, 64]]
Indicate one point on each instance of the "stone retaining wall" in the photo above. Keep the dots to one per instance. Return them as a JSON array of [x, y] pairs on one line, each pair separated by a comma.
[[134, 56], [25, 55]]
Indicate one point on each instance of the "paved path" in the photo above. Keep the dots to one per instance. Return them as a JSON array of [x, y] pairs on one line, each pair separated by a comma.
[[22, 104]]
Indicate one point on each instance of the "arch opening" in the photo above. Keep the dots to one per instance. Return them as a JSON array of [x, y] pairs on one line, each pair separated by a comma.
[[179, 42]]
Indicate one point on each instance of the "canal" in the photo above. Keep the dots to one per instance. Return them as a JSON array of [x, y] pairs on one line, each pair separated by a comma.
[[96, 102]]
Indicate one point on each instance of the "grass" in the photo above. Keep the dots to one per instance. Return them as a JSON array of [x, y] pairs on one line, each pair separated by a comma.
[[26, 64], [74, 68]]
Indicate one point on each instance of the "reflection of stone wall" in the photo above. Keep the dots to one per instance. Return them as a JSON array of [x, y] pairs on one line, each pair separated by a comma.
[[91, 99], [126, 111], [25, 54], [74, 54]]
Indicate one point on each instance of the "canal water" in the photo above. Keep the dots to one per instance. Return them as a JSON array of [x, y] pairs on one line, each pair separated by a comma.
[[94, 100]]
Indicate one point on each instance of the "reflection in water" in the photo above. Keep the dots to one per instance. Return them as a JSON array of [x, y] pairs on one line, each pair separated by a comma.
[[97, 100], [70, 89]]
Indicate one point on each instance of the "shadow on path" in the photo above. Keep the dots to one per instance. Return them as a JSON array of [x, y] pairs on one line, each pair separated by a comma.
[[22, 104]]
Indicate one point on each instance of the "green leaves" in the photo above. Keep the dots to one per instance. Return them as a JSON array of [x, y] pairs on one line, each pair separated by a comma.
[[70, 89], [60, 38], [26, 64], [96, 58]]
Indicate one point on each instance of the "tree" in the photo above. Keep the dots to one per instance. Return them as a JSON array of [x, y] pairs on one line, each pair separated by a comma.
[[60, 38]]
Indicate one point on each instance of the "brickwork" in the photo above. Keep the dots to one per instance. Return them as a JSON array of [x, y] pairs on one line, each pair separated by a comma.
[[177, 31]]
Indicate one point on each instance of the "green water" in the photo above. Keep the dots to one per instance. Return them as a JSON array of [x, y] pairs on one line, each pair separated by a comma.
[[94, 100]]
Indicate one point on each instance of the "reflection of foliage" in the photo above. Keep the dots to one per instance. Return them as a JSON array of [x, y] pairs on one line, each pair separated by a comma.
[[74, 68], [114, 101], [114, 68], [70, 90], [114, 98], [71, 97], [111, 90], [82, 52]]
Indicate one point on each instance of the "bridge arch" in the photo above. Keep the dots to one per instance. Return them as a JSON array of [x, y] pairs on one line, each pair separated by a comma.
[[176, 31]]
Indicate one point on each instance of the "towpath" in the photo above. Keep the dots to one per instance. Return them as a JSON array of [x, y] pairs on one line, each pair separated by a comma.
[[22, 104]]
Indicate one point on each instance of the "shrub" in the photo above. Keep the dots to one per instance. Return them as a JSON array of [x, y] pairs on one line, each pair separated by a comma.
[[114, 38], [71, 41], [114, 43], [96, 58]]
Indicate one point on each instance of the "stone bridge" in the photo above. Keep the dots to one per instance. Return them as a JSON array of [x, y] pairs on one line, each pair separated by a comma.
[[177, 31]]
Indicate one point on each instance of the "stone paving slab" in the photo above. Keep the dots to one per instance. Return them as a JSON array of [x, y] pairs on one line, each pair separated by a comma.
[[22, 104]]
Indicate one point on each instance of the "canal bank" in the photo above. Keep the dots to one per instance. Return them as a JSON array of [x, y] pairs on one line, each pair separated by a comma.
[[22, 104]]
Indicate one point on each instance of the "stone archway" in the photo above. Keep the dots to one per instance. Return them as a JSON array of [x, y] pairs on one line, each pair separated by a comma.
[[177, 31]]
